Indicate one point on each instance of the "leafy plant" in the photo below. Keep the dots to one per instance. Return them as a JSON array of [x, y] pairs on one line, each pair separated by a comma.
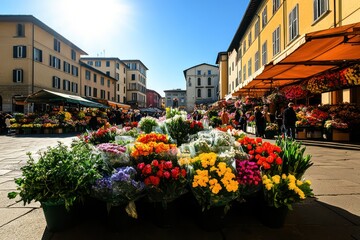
[[293, 155], [61, 174]]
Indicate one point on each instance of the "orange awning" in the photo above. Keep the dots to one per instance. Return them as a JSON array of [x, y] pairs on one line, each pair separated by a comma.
[[312, 54], [114, 104]]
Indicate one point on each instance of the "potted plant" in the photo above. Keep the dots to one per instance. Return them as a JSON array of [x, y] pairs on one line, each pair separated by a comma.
[[61, 176]]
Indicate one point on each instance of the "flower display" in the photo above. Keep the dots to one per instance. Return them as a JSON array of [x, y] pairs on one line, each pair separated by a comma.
[[264, 154], [248, 176], [120, 188], [164, 180], [336, 124], [213, 182], [294, 92], [153, 145], [195, 126], [114, 154], [147, 124], [272, 127], [102, 135], [285, 190], [351, 74], [178, 128]]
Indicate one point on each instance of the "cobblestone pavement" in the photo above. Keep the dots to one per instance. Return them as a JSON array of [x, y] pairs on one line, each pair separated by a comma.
[[333, 214]]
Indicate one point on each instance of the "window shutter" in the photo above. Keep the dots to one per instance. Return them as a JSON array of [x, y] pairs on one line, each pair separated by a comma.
[[14, 75], [15, 50], [24, 52]]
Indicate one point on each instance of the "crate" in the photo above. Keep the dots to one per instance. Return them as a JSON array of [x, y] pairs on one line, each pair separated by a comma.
[[340, 136], [301, 135]]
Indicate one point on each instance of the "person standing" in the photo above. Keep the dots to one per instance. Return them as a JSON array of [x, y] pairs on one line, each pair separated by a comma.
[[289, 120], [260, 123]]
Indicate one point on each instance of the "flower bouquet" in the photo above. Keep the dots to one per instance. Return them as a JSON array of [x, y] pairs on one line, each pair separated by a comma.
[[113, 154], [146, 124], [178, 128], [248, 176], [120, 188], [164, 180], [213, 182]]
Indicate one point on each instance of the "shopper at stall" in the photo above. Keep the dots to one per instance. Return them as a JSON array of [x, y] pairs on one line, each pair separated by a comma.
[[289, 120], [259, 122]]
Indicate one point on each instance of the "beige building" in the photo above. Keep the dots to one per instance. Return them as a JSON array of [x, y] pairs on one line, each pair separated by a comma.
[[34, 57], [272, 30], [136, 83], [114, 68]]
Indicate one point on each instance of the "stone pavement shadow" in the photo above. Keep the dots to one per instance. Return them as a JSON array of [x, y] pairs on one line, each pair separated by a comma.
[[311, 219]]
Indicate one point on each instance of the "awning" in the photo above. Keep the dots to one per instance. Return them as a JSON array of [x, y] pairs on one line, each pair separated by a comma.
[[311, 55], [114, 104], [46, 96]]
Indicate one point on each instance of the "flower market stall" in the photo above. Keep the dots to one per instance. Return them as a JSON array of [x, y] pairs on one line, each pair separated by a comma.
[[156, 175]]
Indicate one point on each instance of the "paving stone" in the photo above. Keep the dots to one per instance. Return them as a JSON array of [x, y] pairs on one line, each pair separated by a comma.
[[9, 214]]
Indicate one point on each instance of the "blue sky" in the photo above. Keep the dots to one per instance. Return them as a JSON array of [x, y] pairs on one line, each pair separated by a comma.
[[168, 36]]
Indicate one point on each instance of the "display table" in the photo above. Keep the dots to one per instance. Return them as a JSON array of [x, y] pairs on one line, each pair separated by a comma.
[[309, 132], [340, 135]]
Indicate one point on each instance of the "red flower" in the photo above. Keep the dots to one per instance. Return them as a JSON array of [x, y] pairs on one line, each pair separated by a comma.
[[154, 180], [166, 174], [155, 163]]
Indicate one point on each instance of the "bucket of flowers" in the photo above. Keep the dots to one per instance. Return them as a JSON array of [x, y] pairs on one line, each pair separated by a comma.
[[114, 155], [214, 185]]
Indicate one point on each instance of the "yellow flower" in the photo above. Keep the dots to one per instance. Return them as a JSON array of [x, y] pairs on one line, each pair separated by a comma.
[[276, 179], [292, 186], [299, 183], [308, 182], [215, 188], [283, 176], [269, 186]]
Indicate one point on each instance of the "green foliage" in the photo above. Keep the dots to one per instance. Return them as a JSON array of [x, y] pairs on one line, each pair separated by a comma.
[[215, 121], [293, 155], [61, 174]]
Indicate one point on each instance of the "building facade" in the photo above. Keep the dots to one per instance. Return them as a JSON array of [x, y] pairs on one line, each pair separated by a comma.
[[175, 98], [153, 99], [222, 62], [136, 83], [270, 30], [34, 57], [114, 68], [202, 85]]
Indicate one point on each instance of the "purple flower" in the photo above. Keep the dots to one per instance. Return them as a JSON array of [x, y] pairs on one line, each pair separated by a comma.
[[111, 148]]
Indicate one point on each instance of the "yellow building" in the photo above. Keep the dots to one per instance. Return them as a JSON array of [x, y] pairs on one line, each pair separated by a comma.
[[136, 83], [271, 30], [114, 68]]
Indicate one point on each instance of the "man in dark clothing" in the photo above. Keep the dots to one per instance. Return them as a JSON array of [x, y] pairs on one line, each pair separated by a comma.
[[260, 123], [289, 120]]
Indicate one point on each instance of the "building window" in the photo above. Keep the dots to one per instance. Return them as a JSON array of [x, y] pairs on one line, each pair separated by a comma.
[[249, 67], [232, 66], [95, 78], [55, 62], [108, 97], [264, 53], [87, 91], [257, 61], [209, 72], [132, 76], [320, 8], [124, 89], [189, 82], [19, 51], [250, 39], [66, 67], [95, 92], [134, 97], [209, 81], [87, 74], [276, 5], [244, 47], [294, 23], [73, 54], [209, 93], [199, 93], [97, 63], [102, 94], [240, 77], [117, 76], [74, 87], [198, 72], [66, 85], [37, 55], [18, 75], [257, 28], [56, 82], [74, 70], [108, 73], [264, 17], [276, 41], [199, 81], [118, 65], [56, 45], [20, 30], [102, 81], [107, 63], [244, 72], [90, 63], [108, 83]]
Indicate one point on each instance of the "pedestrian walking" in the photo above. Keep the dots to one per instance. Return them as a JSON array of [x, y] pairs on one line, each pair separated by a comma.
[[289, 120]]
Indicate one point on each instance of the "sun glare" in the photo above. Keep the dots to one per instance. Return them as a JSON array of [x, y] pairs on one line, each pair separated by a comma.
[[93, 20]]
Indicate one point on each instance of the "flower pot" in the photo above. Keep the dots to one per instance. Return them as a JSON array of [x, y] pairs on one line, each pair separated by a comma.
[[57, 217], [118, 219], [212, 219], [273, 217]]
